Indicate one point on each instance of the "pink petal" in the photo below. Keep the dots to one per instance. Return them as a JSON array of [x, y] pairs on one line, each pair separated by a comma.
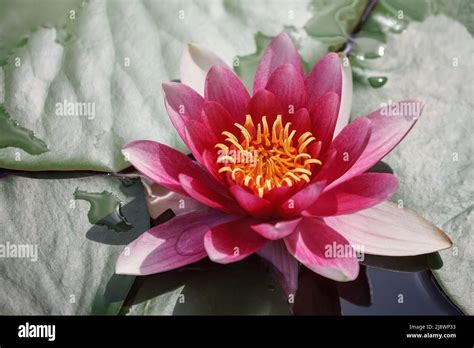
[[217, 119], [251, 203], [346, 94], [316, 246], [232, 241], [388, 230], [159, 199], [195, 63], [224, 87], [386, 133], [264, 103], [301, 121], [279, 195], [286, 265], [349, 144], [360, 192], [314, 149], [276, 230], [209, 193], [197, 144], [324, 118], [287, 84], [325, 77], [302, 199], [280, 51], [209, 161], [182, 104], [203, 147], [173, 244], [163, 164]]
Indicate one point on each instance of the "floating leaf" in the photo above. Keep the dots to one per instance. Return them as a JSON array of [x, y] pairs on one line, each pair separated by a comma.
[[75, 261]]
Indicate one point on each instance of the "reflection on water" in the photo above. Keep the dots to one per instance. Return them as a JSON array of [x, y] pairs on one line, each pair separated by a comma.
[[400, 293]]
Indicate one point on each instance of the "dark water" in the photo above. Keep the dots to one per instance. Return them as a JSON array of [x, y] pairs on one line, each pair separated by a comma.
[[420, 295]]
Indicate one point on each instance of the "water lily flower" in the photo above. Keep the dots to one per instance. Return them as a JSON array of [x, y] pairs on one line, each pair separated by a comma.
[[280, 172]]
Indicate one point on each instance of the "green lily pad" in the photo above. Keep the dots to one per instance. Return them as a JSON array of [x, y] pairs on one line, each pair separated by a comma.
[[19, 17], [93, 84], [460, 10], [434, 162], [67, 264]]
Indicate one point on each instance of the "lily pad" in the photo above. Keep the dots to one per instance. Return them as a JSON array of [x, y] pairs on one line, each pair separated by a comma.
[[68, 264], [434, 162], [91, 86], [19, 17]]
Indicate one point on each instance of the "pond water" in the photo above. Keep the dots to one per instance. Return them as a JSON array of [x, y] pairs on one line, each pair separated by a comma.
[[401, 293]]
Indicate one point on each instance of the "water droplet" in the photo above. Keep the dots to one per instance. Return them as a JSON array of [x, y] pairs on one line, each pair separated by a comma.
[[377, 81], [13, 135], [368, 48], [105, 210]]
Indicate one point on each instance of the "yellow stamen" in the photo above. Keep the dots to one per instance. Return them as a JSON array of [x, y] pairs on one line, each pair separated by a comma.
[[235, 171], [302, 170], [247, 180], [276, 124], [305, 178], [222, 147], [269, 157], [245, 133], [293, 176], [303, 137], [312, 161], [249, 123], [303, 155], [259, 133], [225, 169], [306, 143]]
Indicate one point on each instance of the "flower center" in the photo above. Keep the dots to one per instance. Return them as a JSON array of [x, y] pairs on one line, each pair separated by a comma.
[[266, 157]]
